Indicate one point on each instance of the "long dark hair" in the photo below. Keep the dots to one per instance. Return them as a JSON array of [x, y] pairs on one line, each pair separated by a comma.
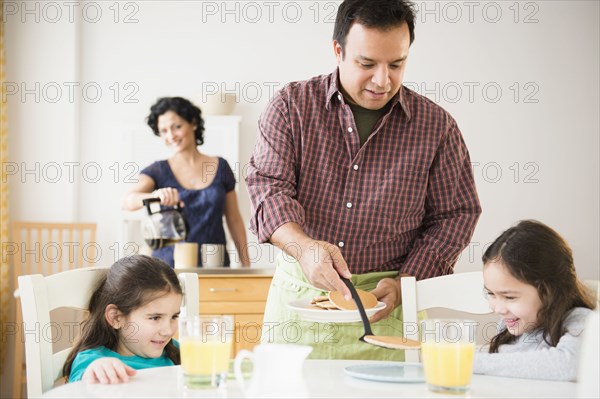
[[182, 107], [378, 14], [131, 282], [537, 255]]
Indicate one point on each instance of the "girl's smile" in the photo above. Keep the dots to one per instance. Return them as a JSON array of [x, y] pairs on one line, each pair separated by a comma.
[[511, 323], [149, 328], [516, 302]]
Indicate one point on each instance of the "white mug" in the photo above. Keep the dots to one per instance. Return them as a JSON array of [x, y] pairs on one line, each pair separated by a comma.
[[213, 255]]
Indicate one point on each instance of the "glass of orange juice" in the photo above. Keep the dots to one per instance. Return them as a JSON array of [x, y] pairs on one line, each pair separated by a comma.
[[205, 345], [447, 349]]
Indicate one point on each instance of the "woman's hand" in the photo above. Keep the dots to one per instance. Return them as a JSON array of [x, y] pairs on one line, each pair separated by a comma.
[[169, 196], [107, 370]]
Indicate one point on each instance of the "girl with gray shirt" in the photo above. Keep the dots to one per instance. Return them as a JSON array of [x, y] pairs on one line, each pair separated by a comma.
[[531, 283]]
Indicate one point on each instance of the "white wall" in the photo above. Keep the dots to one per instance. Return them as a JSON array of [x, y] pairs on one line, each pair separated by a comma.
[[534, 145]]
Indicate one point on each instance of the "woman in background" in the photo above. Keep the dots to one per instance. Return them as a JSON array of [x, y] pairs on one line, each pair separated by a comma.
[[202, 184]]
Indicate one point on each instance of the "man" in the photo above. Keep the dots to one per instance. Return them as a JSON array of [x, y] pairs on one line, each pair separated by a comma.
[[355, 175]]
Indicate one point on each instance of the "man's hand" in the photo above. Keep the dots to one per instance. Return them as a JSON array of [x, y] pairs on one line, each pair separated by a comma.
[[388, 292], [323, 264], [107, 370]]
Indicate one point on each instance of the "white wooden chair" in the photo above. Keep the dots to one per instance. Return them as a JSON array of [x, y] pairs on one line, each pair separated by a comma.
[[70, 289], [191, 294], [588, 385], [594, 286], [46, 248], [461, 292]]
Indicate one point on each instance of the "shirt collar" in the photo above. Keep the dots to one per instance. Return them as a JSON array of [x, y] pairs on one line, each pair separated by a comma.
[[333, 89], [335, 94]]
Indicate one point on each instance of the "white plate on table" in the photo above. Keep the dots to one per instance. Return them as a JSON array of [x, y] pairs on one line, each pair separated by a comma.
[[309, 313], [389, 372]]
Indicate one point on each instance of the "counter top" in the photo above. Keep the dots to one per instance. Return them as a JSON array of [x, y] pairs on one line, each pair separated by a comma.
[[229, 271]]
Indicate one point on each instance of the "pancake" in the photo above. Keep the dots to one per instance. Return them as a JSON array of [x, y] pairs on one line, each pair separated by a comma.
[[368, 300]]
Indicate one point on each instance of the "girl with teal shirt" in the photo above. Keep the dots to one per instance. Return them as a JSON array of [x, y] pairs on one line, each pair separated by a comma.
[[132, 320]]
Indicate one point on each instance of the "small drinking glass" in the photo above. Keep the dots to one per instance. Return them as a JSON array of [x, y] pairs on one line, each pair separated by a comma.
[[447, 349], [205, 344]]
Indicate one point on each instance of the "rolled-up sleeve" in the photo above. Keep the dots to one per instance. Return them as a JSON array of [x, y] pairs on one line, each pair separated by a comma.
[[271, 175], [451, 210]]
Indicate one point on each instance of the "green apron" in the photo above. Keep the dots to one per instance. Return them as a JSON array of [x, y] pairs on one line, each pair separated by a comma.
[[329, 340]]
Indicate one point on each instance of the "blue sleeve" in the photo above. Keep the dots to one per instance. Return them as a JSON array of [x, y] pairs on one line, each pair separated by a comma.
[[153, 171], [82, 361], [228, 177]]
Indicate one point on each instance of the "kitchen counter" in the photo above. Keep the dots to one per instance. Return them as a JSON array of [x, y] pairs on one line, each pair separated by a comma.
[[229, 271]]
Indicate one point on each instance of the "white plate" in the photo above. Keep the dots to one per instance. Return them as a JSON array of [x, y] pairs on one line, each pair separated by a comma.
[[391, 372], [309, 313]]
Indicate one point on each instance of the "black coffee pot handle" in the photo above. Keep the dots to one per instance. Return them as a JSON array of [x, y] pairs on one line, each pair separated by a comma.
[[149, 201]]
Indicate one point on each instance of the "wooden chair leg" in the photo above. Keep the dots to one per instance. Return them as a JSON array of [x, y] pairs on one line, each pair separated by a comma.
[[19, 349]]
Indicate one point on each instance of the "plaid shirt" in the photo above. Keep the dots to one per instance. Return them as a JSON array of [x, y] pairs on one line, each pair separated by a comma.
[[405, 200]]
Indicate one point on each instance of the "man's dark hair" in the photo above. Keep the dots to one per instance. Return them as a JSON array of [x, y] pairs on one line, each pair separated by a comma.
[[379, 14]]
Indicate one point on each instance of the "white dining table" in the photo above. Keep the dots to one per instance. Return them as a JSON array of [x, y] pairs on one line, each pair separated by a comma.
[[323, 379]]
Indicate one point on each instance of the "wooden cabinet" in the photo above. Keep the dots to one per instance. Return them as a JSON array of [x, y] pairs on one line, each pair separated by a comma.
[[241, 296]]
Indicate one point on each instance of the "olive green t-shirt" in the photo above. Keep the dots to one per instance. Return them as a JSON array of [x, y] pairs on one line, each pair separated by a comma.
[[365, 120]]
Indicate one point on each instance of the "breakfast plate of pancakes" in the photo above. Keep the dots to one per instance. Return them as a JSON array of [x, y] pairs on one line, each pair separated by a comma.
[[334, 308]]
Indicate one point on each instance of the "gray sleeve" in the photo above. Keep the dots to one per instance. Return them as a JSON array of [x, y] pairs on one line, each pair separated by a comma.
[[538, 360]]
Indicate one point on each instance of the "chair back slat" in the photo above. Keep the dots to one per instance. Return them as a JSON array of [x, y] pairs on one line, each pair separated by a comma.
[[593, 287], [469, 299], [48, 248], [461, 292], [58, 362]]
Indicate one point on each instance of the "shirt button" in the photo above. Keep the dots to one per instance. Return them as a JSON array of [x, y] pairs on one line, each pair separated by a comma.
[[350, 130], [349, 205], [341, 244], [340, 97], [355, 167]]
